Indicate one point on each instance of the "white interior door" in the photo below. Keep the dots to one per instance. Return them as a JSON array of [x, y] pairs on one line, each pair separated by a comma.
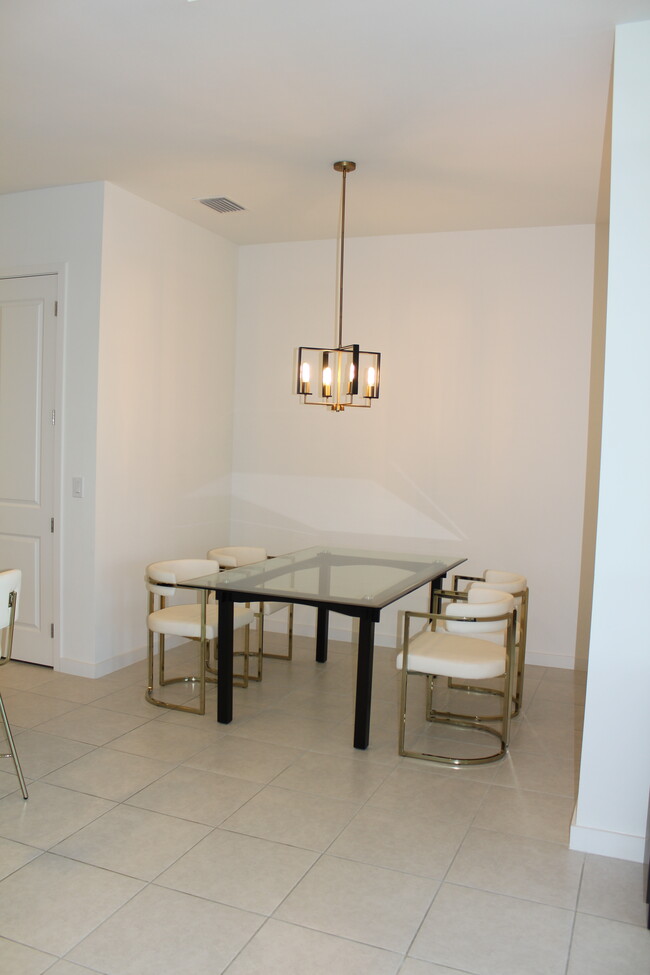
[[27, 391]]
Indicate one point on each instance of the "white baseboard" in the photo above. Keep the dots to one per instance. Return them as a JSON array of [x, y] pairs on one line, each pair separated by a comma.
[[81, 668], [562, 660], [621, 846]]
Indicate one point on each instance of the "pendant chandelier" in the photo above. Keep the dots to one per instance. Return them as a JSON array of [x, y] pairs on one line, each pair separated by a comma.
[[345, 375]]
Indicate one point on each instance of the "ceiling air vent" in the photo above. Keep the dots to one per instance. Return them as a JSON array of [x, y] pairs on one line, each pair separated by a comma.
[[222, 204]]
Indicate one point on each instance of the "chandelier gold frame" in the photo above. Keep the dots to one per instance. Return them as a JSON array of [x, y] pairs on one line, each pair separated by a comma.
[[344, 375]]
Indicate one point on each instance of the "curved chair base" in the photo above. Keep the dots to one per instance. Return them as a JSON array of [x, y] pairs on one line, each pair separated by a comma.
[[442, 718], [179, 707], [239, 680], [457, 720], [475, 689]]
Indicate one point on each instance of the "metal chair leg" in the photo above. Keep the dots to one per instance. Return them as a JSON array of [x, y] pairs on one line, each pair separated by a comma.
[[278, 656], [13, 753]]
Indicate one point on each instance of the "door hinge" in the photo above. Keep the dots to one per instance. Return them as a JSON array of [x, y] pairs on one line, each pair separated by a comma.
[[53, 416], [52, 630], [56, 308], [51, 526]]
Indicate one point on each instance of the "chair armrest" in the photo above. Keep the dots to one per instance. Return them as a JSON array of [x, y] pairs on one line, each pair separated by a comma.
[[451, 594], [432, 618], [460, 619], [424, 616], [454, 579]]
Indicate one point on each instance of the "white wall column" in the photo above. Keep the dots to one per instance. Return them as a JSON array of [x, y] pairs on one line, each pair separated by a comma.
[[615, 771], [164, 408]]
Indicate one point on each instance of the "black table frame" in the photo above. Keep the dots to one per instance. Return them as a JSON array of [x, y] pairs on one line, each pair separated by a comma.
[[367, 616]]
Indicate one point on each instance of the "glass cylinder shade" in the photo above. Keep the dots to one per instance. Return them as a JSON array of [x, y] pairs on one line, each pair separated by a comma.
[[337, 378]]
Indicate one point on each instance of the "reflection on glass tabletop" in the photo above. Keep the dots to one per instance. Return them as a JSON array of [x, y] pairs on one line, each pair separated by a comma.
[[338, 575]]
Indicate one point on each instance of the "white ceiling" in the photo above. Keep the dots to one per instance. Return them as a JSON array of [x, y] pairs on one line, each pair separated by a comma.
[[460, 114]]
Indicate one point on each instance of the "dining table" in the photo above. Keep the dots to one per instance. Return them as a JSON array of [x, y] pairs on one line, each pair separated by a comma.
[[354, 582]]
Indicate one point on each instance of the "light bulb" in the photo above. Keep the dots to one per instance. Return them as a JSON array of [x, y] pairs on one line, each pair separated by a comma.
[[370, 382]]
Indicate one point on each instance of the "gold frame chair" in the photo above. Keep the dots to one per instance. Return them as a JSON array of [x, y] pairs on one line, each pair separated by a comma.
[[10, 582], [268, 609], [192, 621], [235, 556], [520, 638], [450, 655]]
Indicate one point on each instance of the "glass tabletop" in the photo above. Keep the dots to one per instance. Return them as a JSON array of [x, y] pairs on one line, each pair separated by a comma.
[[344, 576]]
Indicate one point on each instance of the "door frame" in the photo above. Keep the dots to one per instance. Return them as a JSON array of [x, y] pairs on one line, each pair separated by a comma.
[[60, 270]]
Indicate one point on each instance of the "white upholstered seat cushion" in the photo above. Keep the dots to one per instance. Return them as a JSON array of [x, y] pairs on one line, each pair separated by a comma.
[[450, 655], [185, 620]]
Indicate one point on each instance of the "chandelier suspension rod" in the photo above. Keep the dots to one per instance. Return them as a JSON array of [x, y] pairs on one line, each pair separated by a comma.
[[341, 256], [344, 167]]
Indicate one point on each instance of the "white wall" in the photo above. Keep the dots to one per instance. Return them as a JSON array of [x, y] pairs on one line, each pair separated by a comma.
[[615, 770], [477, 446], [164, 418], [61, 228], [146, 389]]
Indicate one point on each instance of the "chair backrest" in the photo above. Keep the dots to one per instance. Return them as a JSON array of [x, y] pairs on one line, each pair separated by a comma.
[[510, 582], [173, 571], [10, 580], [232, 556], [481, 602]]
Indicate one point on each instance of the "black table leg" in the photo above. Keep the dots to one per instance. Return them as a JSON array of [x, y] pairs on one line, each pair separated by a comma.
[[434, 602], [322, 625], [364, 682], [224, 661]]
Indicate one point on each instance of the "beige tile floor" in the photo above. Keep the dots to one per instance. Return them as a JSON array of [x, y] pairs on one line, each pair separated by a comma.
[[159, 842]]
